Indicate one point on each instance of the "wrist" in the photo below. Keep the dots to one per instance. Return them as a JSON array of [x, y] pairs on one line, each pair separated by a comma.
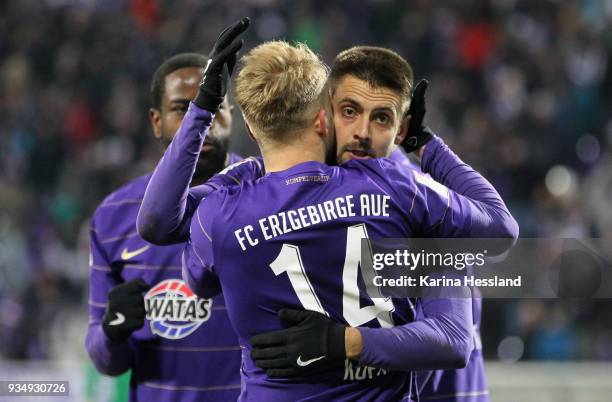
[[353, 343], [206, 100]]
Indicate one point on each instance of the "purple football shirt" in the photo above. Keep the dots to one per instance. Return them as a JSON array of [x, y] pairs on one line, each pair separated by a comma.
[[292, 239], [187, 349], [170, 207]]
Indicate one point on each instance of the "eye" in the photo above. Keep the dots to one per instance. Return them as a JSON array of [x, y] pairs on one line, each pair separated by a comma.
[[382, 118], [180, 109], [348, 111]]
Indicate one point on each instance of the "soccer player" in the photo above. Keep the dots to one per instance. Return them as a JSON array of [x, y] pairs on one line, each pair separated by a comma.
[[354, 74], [142, 315], [297, 244], [358, 110]]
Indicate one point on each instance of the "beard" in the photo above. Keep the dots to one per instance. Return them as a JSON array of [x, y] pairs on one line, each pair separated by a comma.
[[331, 158], [364, 147], [211, 161]]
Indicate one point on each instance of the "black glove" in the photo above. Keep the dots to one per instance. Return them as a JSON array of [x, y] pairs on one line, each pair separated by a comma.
[[125, 312], [418, 134], [310, 341], [220, 66]]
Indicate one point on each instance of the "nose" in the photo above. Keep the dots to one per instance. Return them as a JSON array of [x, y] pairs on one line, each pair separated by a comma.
[[362, 130]]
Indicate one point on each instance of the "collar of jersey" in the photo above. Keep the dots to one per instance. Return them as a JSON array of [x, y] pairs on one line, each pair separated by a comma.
[[305, 167]]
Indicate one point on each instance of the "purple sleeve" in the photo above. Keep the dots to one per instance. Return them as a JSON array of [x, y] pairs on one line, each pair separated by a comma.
[[245, 169], [442, 340], [108, 357], [473, 197], [169, 203], [162, 212], [198, 258]]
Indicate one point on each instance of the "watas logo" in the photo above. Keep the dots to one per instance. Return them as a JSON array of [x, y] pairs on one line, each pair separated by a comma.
[[174, 310]]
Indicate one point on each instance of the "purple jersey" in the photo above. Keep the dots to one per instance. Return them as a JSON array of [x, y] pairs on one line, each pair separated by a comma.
[[461, 385], [187, 349], [292, 240]]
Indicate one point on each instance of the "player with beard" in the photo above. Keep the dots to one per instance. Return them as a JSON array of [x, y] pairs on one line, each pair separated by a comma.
[[142, 316], [356, 76], [377, 346]]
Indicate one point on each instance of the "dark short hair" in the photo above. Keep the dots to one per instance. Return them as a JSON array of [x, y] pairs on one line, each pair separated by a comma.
[[377, 66], [169, 66]]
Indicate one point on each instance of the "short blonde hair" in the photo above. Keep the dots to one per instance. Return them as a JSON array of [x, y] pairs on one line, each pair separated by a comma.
[[278, 88]]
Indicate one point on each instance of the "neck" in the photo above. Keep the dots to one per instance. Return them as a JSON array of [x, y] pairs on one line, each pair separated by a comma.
[[305, 147]]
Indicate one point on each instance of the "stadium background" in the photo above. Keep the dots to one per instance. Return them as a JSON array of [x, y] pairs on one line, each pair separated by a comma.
[[522, 90]]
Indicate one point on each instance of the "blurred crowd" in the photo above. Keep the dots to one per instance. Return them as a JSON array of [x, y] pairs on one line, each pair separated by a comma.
[[521, 89]]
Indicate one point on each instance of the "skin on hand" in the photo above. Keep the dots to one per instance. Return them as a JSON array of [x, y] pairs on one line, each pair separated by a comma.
[[353, 343], [368, 121]]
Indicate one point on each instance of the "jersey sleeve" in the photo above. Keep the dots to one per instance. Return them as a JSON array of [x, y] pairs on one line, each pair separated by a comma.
[[456, 201], [107, 356], [198, 256], [477, 204], [443, 339], [161, 219]]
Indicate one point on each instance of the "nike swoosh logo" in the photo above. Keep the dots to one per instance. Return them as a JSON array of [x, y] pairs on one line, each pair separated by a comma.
[[126, 255], [303, 363], [119, 320]]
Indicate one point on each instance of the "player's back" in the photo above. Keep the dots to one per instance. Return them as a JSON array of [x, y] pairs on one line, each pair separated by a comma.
[[292, 239]]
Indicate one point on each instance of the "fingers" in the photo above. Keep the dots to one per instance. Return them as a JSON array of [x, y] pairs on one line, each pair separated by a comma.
[[269, 339], [267, 353], [230, 33], [135, 310], [225, 55], [291, 317], [420, 88], [417, 105], [140, 285], [273, 364]]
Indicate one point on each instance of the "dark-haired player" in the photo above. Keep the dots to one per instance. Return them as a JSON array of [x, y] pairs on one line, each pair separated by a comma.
[[363, 121], [142, 315]]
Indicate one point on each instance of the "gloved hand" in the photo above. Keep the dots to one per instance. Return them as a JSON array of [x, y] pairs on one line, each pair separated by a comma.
[[125, 312], [220, 66], [310, 341], [418, 134]]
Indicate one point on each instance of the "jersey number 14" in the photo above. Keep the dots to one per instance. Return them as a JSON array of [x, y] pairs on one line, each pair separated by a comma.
[[289, 260]]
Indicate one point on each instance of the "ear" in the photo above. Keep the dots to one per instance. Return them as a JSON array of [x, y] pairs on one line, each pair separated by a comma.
[[320, 123], [155, 119], [403, 130], [250, 132]]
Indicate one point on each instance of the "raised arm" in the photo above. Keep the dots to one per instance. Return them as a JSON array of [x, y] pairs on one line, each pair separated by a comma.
[[162, 216], [475, 209], [490, 216], [168, 203]]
